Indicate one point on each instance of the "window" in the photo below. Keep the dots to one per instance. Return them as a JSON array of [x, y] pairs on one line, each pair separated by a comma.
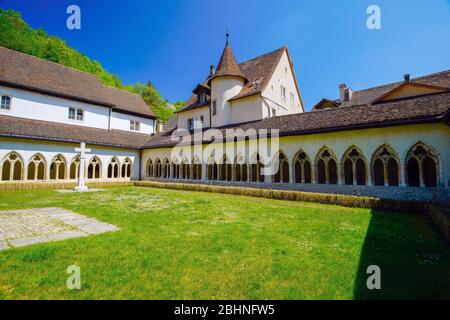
[[76, 114], [214, 107], [80, 114], [202, 120], [6, 103], [72, 113], [135, 125], [274, 112], [202, 98], [283, 92], [190, 124], [292, 98]]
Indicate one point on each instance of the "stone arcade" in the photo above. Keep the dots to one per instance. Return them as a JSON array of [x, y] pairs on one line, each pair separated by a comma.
[[387, 141]]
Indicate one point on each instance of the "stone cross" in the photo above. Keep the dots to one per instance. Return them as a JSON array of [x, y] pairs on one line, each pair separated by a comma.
[[81, 172]]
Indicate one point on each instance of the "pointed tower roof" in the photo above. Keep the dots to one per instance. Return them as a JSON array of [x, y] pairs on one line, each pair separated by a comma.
[[228, 65]]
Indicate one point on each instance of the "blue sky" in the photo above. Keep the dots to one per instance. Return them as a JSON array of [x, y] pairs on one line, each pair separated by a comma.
[[172, 43]]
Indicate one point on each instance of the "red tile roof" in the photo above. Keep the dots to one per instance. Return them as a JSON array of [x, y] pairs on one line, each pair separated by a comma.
[[53, 131], [257, 71], [424, 109], [26, 72], [227, 66]]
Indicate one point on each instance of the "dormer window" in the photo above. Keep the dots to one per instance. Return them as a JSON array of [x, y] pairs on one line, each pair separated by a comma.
[[5, 103], [202, 98], [135, 125], [76, 114]]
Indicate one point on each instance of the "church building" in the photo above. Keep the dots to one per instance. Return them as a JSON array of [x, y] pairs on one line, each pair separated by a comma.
[[387, 141]]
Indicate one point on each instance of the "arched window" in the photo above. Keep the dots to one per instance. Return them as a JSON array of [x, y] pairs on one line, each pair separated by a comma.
[[302, 166], [113, 168], [354, 167], [225, 170], [326, 167], [158, 169], [149, 168], [12, 167], [36, 168], [5, 103], [256, 170], [126, 168], [240, 169], [74, 168], [282, 167], [186, 170], [196, 169], [94, 168], [385, 168], [166, 169], [176, 170], [212, 170], [421, 167], [58, 168]]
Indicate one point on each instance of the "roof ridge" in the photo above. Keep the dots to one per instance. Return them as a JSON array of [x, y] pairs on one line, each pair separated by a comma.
[[264, 54], [400, 82], [52, 62], [123, 90]]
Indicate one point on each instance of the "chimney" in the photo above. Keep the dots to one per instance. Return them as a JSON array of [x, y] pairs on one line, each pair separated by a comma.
[[159, 126], [406, 77], [345, 93], [212, 70], [342, 88]]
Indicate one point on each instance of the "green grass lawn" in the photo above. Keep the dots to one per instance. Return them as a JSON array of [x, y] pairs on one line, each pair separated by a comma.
[[188, 245]]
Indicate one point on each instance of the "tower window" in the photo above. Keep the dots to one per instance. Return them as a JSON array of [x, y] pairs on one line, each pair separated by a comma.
[[190, 124], [214, 107]]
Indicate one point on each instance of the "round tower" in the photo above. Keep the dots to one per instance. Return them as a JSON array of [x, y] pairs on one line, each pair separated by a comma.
[[226, 82]]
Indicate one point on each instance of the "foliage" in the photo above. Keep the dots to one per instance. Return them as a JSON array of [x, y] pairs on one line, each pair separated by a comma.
[[16, 34]]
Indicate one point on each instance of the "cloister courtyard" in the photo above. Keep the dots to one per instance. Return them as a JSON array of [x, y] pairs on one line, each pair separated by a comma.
[[146, 243]]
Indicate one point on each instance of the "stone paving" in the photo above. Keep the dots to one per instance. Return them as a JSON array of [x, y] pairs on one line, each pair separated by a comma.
[[26, 227]]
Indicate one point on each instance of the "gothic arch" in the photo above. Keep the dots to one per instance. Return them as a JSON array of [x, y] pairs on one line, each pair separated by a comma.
[[58, 167], [12, 167], [37, 167], [385, 166], [326, 166], [281, 165], [354, 167], [256, 167], [158, 168], [74, 168], [422, 166], [302, 167], [185, 169], [212, 169], [240, 168], [95, 168], [225, 169], [127, 167], [175, 168], [149, 168], [166, 168]]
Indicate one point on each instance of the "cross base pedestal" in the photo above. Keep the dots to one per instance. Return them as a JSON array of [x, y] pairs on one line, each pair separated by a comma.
[[81, 189]]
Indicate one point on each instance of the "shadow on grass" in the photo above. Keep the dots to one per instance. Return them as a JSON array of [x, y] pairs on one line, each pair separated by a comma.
[[414, 259]]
